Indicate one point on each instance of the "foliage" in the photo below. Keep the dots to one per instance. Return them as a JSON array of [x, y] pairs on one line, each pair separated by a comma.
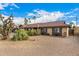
[[32, 32], [72, 25], [0, 30], [26, 21], [7, 26], [20, 34]]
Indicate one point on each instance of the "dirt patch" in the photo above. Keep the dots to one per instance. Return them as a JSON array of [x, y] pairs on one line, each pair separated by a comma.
[[41, 45]]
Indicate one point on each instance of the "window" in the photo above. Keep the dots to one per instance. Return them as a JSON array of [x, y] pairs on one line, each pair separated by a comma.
[[43, 30], [57, 30]]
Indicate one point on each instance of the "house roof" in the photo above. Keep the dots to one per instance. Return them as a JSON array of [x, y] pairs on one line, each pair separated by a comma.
[[48, 24]]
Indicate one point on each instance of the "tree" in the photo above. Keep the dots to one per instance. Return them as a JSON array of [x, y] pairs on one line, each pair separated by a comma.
[[29, 20], [72, 25], [34, 17], [7, 26], [25, 21]]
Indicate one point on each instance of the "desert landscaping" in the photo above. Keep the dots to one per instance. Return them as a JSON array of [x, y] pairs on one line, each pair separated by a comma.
[[40, 39], [41, 46], [26, 31]]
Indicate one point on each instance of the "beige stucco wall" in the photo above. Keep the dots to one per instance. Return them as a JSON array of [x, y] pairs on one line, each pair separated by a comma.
[[65, 32], [76, 30], [49, 31], [39, 31]]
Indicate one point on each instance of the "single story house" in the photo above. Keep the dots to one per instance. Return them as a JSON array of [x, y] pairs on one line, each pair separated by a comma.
[[76, 30], [57, 28]]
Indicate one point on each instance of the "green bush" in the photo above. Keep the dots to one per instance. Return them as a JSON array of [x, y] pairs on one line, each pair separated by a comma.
[[20, 35], [32, 32]]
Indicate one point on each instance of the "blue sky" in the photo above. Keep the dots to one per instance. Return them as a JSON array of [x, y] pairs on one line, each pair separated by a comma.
[[53, 11], [25, 8]]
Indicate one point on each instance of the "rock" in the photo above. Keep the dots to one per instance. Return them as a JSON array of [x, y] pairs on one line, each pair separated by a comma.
[[32, 39], [11, 35]]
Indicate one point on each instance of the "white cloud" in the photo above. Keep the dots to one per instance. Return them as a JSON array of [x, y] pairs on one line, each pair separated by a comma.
[[15, 5], [1, 8], [57, 14], [41, 12], [5, 17], [3, 5], [11, 8], [18, 20], [45, 16], [73, 11], [71, 16], [30, 14], [74, 22], [68, 12], [76, 9]]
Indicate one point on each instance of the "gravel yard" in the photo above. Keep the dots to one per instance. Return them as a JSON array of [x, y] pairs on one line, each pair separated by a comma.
[[41, 46]]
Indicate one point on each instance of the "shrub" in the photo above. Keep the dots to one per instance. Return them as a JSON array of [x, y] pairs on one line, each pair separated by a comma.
[[32, 32], [20, 35]]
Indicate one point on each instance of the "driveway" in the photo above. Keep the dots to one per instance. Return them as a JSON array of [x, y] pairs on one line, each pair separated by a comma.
[[41, 46]]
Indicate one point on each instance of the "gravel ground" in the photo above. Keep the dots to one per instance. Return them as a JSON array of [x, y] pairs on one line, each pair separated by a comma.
[[41, 46]]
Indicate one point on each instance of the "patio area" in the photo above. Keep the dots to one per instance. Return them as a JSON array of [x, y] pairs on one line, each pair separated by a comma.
[[41, 46]]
